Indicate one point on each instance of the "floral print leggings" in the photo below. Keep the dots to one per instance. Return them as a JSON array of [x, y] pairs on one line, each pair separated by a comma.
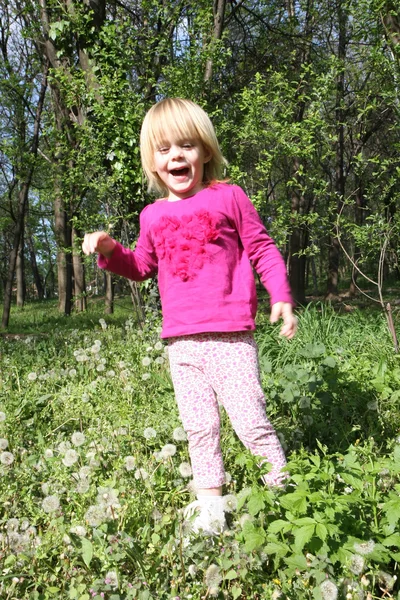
[[222, 367]]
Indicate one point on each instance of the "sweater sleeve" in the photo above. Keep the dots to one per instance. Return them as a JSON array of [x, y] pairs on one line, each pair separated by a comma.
[[260, 248], [138, 264]]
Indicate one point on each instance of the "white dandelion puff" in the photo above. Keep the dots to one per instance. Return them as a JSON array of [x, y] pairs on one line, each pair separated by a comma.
[[48, 453], [328, 590], [85, 472], [72, 372], [185, 469], [141, 474], [364, 548], [70, 457], [146, 376], [6, 458], [63, 447], [110, 373], [32, 376], [372, 406], [45, 488], [107, 497], [192, 570], [51, 504], [212, 576], [95, 515], [78, 438], [95, 349], [2, 416], [168, 450], [100, 368], [149, 433], [179, 434], [82, 486], [130, 463], [386, 580], [12, 525], [357, 564], [158, 346], [146, 361], [229, 503], [160, 360], [79, 530], [3, 443], [228, 478]]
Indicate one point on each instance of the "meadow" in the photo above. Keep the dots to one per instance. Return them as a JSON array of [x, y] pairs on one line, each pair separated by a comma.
[[94, 466]]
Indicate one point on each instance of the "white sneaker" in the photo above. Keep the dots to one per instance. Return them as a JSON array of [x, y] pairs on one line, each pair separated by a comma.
[[201, 519]]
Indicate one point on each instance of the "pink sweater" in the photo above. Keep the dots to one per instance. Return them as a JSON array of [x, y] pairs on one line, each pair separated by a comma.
[[202, 248]]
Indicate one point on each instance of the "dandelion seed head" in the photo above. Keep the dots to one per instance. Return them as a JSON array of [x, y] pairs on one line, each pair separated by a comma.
[[3, 443], [72, 372], [48, 453], [78, 438], [83, 486], [63, 447], [157, 516], [146, 376], [100, 368], [32, 376], [179, 434], [12, 525], [146, 361], [192, 570], [51, 504], [85, 397], [357, 564], [160, 360], [328, 590], [229, 503], [386, 580], [228, 478], [364, 548], [141, 474], [168, 450], [70, 457], [45, 488], [372, 406], [185, 469], [79, 530], [149, 433], [212, 576], [130, 463], [158, 346], [107, 496], [95, 515], [2, 416], [6, 458]]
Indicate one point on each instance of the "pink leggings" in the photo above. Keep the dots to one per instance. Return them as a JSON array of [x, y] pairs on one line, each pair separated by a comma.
[[208, 366]]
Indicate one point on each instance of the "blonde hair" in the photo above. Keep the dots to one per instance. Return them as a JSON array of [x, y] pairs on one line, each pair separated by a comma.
[[179, 119]]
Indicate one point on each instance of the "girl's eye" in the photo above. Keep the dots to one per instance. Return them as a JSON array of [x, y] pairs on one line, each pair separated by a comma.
[[163, 149], [187, 145]]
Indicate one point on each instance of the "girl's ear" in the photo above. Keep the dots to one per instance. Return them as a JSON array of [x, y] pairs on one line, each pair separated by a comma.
[[207, 155]]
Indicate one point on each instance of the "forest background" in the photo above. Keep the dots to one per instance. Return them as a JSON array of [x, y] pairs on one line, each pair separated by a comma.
[[304, 97]]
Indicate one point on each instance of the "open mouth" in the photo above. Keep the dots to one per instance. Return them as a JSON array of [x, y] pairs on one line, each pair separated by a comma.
[[179, 172]]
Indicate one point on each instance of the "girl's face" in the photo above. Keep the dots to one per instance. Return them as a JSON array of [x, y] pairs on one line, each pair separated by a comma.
[[180, 166]]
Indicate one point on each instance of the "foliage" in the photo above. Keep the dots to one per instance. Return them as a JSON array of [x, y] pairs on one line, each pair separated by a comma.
[[91, 464]]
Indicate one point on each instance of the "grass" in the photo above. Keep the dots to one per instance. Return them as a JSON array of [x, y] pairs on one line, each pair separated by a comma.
[[90, 499]]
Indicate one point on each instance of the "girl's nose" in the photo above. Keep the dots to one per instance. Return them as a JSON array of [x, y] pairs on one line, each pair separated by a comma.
[[176, 151]]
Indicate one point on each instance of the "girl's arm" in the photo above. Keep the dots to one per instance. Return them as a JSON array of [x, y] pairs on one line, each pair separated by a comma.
[[137, 265]]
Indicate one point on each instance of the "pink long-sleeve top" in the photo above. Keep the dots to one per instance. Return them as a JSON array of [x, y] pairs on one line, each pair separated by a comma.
[[203, 249]]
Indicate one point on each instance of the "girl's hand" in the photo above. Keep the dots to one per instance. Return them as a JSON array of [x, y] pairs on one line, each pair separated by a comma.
[[284, 310], [100, 242]]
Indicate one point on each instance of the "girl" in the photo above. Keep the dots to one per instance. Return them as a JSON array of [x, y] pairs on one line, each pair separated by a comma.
[[202, 239]]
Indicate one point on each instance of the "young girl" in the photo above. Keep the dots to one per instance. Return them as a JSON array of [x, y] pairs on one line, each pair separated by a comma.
[[202, 239]]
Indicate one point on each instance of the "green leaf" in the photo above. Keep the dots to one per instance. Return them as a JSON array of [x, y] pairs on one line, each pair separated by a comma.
[[303, 535], [256, 503], [329, 361], [321, 531], [254, 539], [279, 526], [232, 574], [276, 548], [236, 591], [297, 561], [87, 551]]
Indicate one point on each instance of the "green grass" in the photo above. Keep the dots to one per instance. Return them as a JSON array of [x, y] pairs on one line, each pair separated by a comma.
[[82, 525]]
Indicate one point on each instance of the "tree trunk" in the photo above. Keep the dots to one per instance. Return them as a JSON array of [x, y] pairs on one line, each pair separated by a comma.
[[35, 271], [20, 273], [109, 294], [64, 259], [219, 11], [334, 247], [79, 275]]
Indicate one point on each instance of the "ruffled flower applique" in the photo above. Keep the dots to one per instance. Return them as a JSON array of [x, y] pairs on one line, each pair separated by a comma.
[[182, 243]]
